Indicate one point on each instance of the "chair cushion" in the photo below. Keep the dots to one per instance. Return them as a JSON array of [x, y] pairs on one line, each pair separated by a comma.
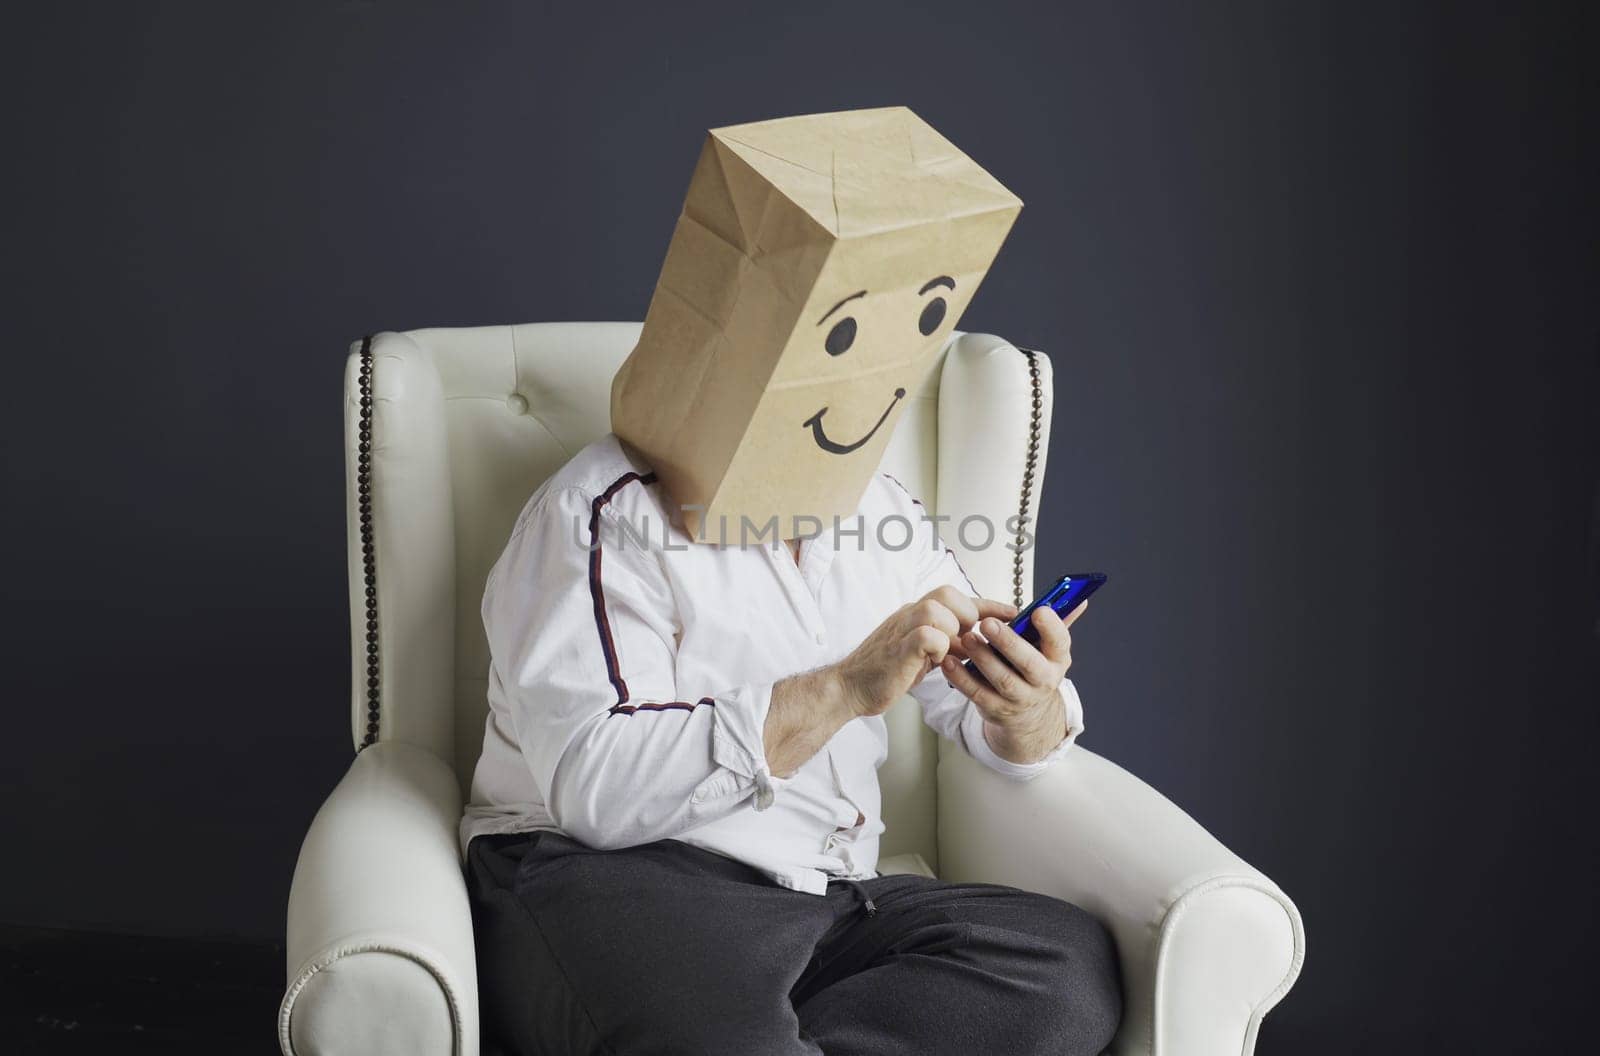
[[905, 865]]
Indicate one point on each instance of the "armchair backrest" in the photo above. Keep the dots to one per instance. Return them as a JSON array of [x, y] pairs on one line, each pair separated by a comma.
[[449, 431]]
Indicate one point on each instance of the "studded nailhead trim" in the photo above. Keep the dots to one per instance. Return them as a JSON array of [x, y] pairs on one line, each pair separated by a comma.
[[1035, 422], [369, 553]]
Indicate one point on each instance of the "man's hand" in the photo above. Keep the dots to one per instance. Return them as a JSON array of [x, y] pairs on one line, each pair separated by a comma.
[[810, 708], [913, 641], [1024, 715]]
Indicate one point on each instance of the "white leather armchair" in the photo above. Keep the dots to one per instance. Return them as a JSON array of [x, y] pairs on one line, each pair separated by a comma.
[[447, 434]]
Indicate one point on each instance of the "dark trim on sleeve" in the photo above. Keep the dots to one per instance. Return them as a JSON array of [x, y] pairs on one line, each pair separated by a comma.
[[602, 621], [596, 591], [666, 705]]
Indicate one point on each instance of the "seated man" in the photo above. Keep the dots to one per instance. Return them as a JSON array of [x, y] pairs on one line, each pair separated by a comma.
[[673, 836]]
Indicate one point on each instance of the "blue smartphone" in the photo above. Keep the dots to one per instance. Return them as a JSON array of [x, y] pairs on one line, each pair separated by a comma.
[[1063, 597]]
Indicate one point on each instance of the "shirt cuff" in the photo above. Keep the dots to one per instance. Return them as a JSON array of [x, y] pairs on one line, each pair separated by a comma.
[[738, 740], [977, 744]]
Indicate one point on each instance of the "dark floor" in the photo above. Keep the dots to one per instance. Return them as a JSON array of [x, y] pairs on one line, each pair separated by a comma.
[[108, 994]]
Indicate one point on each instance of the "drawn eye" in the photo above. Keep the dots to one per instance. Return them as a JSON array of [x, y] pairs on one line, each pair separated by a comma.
[[932, 316], [843, 335]]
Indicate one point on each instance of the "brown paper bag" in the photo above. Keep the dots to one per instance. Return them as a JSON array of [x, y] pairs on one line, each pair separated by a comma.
[[819, 264]]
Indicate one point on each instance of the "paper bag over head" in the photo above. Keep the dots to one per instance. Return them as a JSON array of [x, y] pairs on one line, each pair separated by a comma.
[[818, 266]]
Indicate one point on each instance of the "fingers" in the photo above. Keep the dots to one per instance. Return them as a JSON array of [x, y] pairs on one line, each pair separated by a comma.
[[964, 608], [929, 643], [969, 610], [970, 686], [1055, 641], [920, 651], [1072, 617], [1003, 678], [1000, 610], [1029, 662], [931, 612]]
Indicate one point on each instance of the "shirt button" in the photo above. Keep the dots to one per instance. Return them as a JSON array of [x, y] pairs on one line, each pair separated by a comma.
[[821, 638]]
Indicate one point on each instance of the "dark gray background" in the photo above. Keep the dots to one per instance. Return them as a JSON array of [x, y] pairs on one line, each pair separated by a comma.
[[1319, 282]]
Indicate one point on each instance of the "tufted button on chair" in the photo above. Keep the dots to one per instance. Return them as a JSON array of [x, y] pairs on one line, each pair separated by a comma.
[[447, 434]]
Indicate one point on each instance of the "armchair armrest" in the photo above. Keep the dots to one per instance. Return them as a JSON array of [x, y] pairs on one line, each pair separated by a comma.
[[379, 943], [1208, 944]]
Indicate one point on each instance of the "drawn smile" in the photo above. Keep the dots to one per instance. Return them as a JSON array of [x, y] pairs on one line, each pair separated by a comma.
[[814, 423]]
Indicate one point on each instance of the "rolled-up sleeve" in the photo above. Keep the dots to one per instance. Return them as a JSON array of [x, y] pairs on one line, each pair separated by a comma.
[[944, 708], [582, 630]]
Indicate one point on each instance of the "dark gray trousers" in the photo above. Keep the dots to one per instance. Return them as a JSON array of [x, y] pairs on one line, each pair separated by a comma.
[[667, 948]]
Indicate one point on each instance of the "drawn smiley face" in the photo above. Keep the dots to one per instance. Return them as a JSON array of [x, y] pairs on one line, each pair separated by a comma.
[[841, 338]]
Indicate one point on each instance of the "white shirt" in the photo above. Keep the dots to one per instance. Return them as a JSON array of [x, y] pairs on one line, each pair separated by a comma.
[[629, 684]]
